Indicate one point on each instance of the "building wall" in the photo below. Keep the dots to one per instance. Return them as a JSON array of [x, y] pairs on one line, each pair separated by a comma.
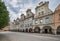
[[56, 18]]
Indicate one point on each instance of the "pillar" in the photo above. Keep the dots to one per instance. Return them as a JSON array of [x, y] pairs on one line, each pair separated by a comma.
[[41, 30], [54, 31], [32, 30], [28, 30]]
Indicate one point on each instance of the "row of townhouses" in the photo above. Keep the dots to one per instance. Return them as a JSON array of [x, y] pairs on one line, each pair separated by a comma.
[[43, 21]]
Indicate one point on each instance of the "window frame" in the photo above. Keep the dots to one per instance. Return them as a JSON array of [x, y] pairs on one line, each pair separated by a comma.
[[47, 20]]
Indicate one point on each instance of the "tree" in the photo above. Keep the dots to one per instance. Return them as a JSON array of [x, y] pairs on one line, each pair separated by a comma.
[[4, 15]]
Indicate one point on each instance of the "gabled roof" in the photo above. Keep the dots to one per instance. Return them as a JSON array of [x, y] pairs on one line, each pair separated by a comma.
[[42, 3]]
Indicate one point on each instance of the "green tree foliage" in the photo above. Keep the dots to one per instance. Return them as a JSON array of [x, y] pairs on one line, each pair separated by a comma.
[[4, 16]]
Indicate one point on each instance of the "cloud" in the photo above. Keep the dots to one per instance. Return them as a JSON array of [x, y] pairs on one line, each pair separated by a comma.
[[16, 7]]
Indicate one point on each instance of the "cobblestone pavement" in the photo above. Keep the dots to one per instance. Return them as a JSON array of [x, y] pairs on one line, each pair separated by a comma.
[[19, 36]]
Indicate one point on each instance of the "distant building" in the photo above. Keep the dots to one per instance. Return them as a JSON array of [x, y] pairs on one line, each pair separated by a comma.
[[6, 28], [26, 22]]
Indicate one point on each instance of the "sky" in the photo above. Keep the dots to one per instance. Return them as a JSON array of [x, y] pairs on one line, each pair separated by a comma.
[[17, 7]]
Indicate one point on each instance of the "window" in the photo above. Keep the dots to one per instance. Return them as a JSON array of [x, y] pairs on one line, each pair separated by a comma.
[[27, 25], [36, 21], [22, 25], [41, 20], [42, 12], [30, 24], [39, 13], [32, 17], [59, 16], [27, 14], [47, 20]]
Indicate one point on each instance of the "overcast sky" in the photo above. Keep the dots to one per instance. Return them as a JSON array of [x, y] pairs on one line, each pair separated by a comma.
[[16, 7]]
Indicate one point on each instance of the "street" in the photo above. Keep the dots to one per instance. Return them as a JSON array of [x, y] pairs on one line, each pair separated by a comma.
[[20, 36]]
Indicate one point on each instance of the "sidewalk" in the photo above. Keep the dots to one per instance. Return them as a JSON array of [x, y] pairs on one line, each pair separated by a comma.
[[47, 35]]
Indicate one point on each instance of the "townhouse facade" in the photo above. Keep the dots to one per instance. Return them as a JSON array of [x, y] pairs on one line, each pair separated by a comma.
[[43, 21], [56, 16], [25, 23]]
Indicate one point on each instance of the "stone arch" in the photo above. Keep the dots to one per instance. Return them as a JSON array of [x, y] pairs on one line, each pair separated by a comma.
[[37, 29], [30, 29], [58, 30], [47, 29]]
